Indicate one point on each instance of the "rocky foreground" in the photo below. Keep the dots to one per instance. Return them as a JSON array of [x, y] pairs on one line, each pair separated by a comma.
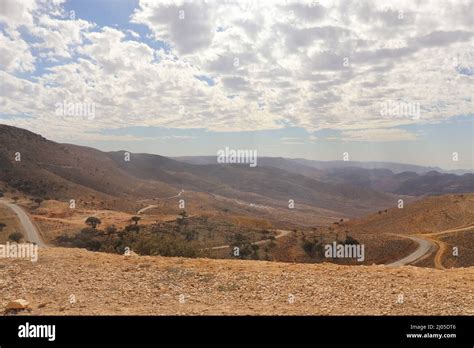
[[79, 282]]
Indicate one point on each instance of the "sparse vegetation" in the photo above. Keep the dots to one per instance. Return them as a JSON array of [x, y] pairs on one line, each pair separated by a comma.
[[38, 201], [350, 240], [16, 237], [246, 248], [135, 219], [93, 221], [313, 248], [116, 242]]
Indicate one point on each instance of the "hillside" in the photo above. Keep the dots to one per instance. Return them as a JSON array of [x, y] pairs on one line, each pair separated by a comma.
[[446, 221], [106, 284], [61, 171], [405, 183], [398, 178], [432, 214]]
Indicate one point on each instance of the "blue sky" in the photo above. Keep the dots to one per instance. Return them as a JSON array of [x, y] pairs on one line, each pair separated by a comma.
[[292, 79], [435, 143]]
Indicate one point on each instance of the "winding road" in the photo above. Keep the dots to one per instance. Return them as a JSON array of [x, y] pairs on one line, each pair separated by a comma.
[[427, 243], [151, 206], [424, 247], [30, 232], [281, 234]]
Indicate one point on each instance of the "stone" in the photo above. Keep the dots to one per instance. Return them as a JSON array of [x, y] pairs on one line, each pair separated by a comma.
[[18, 305]]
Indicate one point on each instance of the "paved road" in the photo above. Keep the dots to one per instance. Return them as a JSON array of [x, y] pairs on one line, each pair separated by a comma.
[[424, 246], [30, 232]]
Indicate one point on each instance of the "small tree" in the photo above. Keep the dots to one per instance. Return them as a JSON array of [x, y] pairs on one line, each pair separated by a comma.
[[181, 219], [135, 219], [38, 201], [93, 221], [15, 236]]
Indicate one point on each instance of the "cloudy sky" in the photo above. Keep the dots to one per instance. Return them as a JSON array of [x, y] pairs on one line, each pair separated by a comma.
[[381, 80]]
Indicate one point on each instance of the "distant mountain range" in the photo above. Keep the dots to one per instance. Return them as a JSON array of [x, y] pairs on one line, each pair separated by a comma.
[[65, 171], [304, 164], [406, 179]]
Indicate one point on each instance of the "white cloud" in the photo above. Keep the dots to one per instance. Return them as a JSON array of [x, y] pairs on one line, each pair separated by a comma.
[[15, 55], [325, 65], [378, 135]]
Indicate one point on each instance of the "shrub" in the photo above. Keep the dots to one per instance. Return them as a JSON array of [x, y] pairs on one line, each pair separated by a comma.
[[350, 240], [93, 221], [135, 219], [312, 248], [15, 236]]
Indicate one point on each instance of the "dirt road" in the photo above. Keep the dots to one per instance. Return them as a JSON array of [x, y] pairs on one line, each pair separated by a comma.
[[30, 231], [427, 243], [281, 233]]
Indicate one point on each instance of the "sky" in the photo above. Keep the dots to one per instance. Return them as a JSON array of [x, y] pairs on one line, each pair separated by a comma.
[[380, 80]]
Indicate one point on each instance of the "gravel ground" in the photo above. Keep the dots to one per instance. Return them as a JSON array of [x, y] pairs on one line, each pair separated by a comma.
[[79, 282]]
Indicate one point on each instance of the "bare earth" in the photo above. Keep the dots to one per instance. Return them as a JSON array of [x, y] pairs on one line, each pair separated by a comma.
[[108, 284]]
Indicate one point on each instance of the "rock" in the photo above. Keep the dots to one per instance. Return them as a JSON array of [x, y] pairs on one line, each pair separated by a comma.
[[18, 305]]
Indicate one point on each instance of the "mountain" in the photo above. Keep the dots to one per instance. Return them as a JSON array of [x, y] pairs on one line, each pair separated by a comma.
[[434, 183], [395, 178], [65, 171], [393, 167], [405, 183]]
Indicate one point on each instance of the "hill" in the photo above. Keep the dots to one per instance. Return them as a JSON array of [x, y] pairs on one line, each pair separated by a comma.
[[445, 221], [398, 178], [61, 171]]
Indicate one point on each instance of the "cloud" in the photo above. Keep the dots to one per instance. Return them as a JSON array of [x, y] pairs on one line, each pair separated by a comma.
[[15, 55], [17, 13], [378, 135], [316, 66], [186, 25]]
